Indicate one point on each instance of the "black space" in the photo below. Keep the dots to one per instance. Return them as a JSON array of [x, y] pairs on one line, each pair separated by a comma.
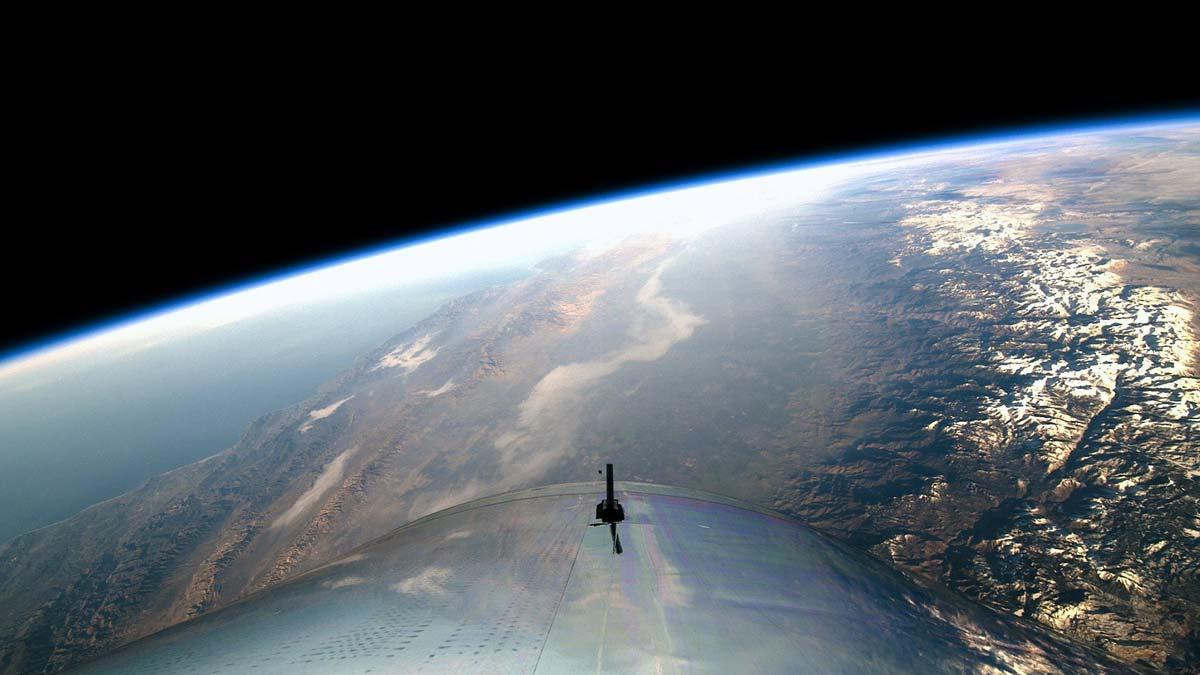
[[133, 196]]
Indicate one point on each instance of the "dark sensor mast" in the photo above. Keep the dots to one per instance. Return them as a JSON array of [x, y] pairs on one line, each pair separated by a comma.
[[610, 512]]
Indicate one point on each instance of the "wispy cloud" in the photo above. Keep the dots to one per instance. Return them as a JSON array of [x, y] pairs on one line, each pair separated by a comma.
[[328, 478], [322, 413], [409, 357], [547, 421]]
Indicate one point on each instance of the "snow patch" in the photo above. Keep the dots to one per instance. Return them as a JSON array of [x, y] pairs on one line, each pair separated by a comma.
[[408, 357], [1071, 296], [322, 413]]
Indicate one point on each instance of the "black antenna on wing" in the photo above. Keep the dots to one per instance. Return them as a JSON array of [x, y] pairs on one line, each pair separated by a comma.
[[610, 512]]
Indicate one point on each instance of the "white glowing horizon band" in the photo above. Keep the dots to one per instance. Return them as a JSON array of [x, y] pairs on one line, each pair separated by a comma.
[[681, 211]]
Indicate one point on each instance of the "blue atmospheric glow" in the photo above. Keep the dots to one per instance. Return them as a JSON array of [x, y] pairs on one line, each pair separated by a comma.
[[890, 151]]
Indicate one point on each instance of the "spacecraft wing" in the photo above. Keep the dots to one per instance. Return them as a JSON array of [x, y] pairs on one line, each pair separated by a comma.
[[518, 583]]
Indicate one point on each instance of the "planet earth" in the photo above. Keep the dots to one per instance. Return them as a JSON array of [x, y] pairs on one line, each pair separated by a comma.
[[976, 362]]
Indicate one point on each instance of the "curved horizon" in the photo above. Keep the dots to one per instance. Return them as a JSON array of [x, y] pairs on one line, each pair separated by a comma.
[[13, 359], [964, 356]]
